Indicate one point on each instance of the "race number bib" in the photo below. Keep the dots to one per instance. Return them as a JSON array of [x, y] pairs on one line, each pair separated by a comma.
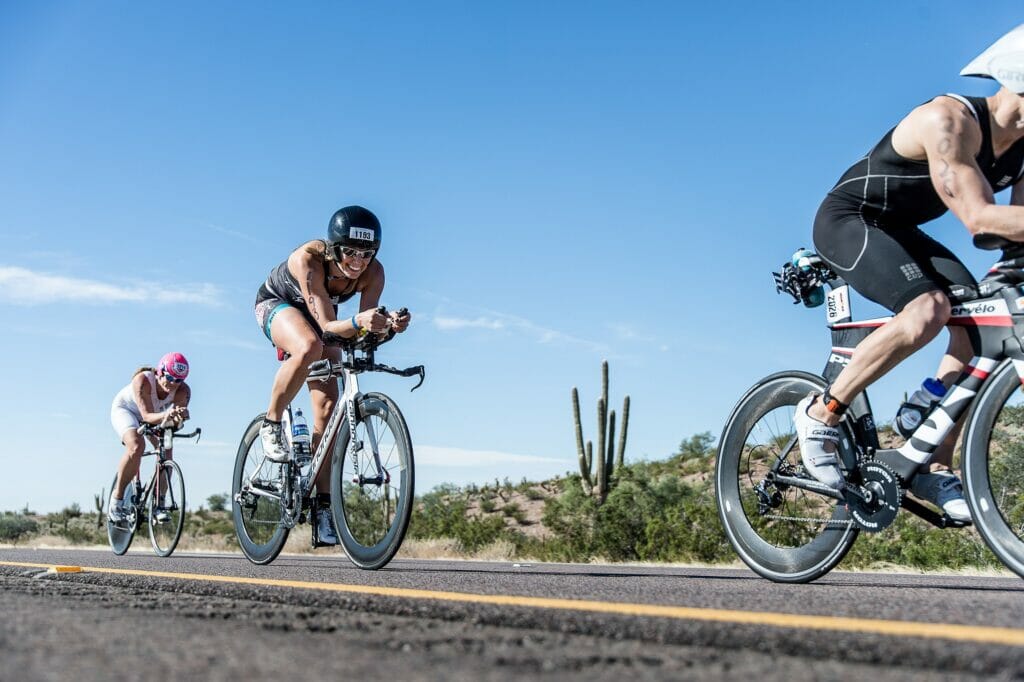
[[360, 233]]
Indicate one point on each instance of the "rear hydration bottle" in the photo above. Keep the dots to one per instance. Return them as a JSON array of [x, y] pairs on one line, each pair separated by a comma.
[[300, 438], [917, 407]]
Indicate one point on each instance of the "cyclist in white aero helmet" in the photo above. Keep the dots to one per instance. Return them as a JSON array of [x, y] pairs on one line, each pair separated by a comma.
[[1003, 62], [952, 153]]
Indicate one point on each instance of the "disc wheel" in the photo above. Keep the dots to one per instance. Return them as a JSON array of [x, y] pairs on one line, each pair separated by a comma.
[[166, 509], [371, 513], [121, 534], [993, 466], [258, 518], [783, 533]]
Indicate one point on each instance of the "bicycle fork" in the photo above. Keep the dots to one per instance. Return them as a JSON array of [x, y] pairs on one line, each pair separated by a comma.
[[356, 446]]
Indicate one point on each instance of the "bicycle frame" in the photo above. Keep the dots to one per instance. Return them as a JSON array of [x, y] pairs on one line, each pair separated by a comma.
[[165, 440], [995, 328], [294, 498]]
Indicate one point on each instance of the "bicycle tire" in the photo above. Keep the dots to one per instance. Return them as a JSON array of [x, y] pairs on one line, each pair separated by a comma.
[[165, 536], [370, 519], [121, 536], [258, 527], [786, 552], [993, 466]]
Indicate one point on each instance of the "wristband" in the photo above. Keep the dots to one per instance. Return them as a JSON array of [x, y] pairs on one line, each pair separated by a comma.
[[832, 404], [356, 325]]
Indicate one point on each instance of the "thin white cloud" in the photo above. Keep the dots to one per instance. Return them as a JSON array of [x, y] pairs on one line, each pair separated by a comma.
[[235, 234], [435, 455], [500, 322], [21, 286], [217, 446], [446, 323], [208, 338]]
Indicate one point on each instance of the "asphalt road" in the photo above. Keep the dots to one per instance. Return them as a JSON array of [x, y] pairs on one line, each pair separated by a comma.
[[219, 617]]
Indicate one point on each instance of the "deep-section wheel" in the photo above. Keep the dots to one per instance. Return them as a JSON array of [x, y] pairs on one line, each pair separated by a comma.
[[993, 466], [256, 505], [372, 509], [166, 512], [782, 532], [121, 534]]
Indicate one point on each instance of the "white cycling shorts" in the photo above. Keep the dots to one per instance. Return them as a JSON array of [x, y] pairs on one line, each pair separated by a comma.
[[123, 419]]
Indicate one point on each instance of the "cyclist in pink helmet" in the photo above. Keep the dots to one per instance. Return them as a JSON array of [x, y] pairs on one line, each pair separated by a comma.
[[153, 396]]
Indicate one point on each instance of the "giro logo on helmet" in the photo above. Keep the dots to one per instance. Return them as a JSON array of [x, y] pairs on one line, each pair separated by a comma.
[[1010, 75], [361, 233], [1003, 61]]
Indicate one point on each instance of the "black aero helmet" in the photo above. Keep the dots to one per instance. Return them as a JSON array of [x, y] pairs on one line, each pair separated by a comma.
[[353, 227]]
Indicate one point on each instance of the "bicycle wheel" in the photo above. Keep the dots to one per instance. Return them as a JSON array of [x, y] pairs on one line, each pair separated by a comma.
[[371, 513], [783, 533], [166, 497], [257, 517], [993, 466], [121, 534]]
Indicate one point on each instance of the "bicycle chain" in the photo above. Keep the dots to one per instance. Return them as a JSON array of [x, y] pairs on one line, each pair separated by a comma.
[[817, 522]]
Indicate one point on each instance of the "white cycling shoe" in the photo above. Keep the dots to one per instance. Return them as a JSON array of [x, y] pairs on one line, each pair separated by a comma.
[[819, 445], [273, 442], [944, 490], [116, 512]]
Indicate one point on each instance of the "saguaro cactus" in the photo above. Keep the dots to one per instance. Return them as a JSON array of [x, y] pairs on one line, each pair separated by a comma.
[[597, 473], [99, 500]]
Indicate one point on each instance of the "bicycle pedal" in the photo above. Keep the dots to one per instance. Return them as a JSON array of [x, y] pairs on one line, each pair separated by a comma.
[[949, 522]]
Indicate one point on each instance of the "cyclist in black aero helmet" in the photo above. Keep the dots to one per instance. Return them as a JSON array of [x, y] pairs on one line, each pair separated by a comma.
[[950, 153], [298, 303]]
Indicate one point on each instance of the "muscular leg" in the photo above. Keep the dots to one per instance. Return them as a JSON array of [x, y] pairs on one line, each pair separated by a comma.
[[917, 324], [323, 397], [290, 331], [958, 354], [128, 467]]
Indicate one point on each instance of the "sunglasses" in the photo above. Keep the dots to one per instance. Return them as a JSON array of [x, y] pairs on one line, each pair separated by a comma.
[[171, 379], [357, 253]]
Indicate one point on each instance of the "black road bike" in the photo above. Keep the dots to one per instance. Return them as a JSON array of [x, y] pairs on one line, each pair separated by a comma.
[[371, 459], [160, 504], [788, 527]]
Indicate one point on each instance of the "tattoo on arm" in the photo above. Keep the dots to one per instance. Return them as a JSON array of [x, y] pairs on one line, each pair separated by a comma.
[[947, 174], [311, 301]]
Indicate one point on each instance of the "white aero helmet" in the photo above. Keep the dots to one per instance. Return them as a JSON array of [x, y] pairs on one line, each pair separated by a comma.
[[1003, 62]]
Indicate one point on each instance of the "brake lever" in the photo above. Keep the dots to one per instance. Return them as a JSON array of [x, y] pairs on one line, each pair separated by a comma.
[[422, 372]]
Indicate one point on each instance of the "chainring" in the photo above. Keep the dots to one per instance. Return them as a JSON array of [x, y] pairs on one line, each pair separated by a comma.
[[881, 487]]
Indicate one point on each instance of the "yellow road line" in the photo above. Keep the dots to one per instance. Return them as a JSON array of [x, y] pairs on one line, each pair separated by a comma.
[[950, 631]]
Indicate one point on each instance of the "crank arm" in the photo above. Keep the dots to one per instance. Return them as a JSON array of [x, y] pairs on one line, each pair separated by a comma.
[[810, 485], [258, 492], [934, 518]]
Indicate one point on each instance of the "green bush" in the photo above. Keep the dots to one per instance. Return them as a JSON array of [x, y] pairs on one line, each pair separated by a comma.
[[217, 502], [13, 527], [441, 514]]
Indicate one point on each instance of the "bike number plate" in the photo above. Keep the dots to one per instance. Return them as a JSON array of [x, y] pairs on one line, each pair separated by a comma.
[[838, 304]]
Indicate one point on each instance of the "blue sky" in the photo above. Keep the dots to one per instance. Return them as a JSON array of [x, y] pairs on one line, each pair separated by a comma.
[[558, 184]]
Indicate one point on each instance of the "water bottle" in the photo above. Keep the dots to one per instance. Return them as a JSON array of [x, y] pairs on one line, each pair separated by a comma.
[[803, 260], [300, 437], [917, 407]]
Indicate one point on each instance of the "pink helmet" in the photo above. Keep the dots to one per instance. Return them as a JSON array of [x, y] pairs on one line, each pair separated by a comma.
[[173, 365]]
